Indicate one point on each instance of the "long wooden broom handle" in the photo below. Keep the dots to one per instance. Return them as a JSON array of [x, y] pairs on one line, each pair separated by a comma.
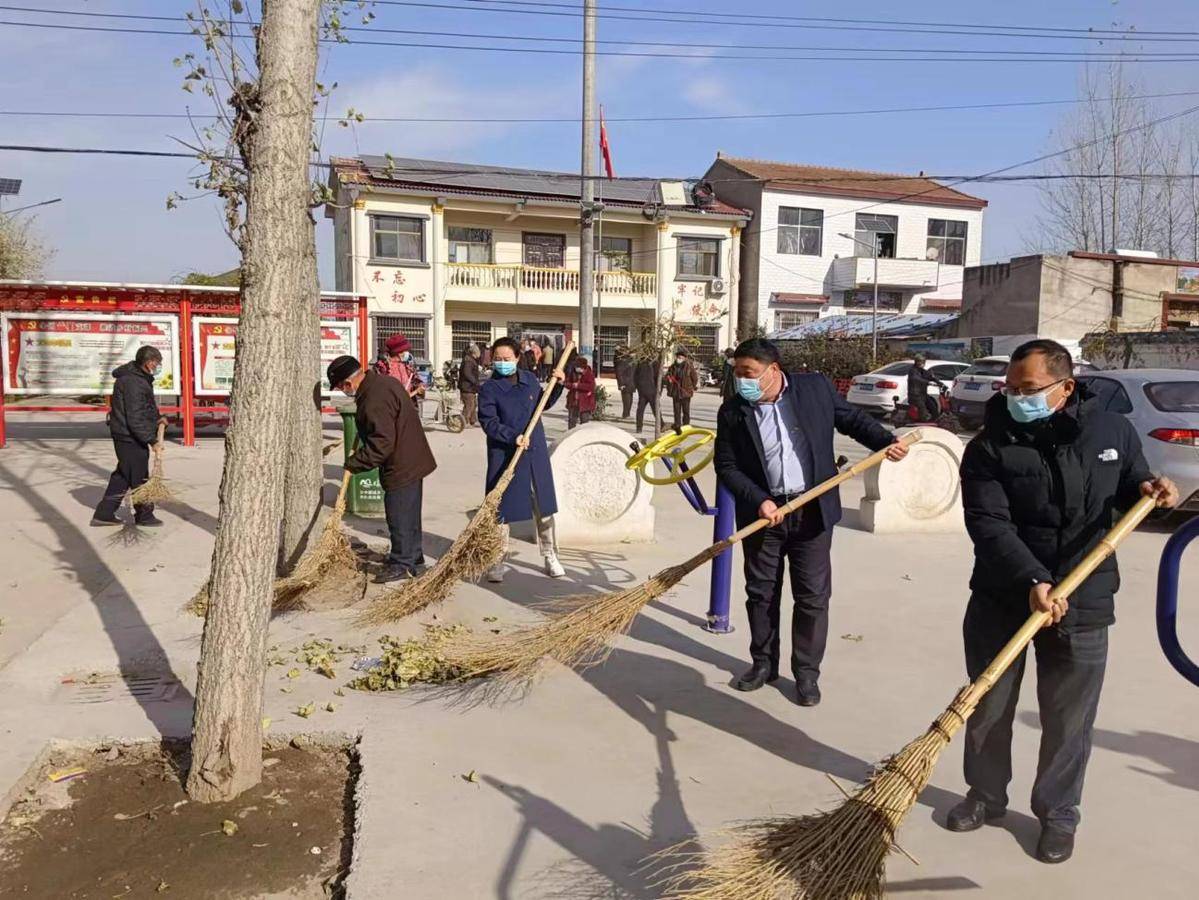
[[162, 430], [545, 398], [825, 486], [1010, 653]]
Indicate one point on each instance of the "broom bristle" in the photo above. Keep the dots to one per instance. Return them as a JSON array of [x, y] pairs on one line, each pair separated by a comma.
[[154, 489], [476, 549], [836, 855]]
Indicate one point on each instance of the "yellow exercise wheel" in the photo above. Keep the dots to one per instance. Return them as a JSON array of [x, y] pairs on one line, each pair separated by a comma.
[[673, 448]]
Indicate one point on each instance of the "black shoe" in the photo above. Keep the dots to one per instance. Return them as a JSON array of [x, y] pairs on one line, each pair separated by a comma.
[[1055, 845], [807, 692], [755, 678], [100, 521], [392, 572], [970, 815], [149, 520]]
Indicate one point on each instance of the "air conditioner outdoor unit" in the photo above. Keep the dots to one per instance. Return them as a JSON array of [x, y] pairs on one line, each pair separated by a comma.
[[716, 286]]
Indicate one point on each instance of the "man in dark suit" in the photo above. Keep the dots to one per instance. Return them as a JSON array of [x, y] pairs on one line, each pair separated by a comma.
[[774, 440]]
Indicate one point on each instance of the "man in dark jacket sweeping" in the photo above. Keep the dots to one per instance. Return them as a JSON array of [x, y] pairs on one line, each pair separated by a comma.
[[1040, 485], [391, 439], [133, 423], [774, 440]]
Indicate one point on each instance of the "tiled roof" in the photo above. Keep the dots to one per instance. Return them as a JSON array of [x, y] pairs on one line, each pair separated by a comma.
[[467, 180], [854, 183], [893, 325]]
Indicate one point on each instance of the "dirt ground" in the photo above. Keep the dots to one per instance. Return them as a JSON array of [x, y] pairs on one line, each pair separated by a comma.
[[126, 829]]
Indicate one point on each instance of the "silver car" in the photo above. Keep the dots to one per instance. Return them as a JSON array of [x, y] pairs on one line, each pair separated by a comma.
[[1163, 406]]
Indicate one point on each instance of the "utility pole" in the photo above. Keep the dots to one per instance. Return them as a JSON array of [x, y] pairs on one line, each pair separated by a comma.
[[587, 193], [874, 307]]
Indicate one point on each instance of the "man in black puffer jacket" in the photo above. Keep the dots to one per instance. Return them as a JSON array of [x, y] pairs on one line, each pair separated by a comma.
[[133, 423], [1040, 487]]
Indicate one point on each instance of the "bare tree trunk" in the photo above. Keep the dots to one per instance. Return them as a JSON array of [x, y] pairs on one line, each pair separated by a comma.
[[304, 477], [227, 724]]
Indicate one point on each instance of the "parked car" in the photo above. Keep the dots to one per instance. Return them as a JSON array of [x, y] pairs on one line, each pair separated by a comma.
[[1163, 406], [884, 389], [976, 385]]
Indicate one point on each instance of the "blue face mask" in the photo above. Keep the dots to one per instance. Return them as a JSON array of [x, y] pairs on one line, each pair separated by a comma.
[[1030, 409], [406, 356], [750, 389], [504, 367]]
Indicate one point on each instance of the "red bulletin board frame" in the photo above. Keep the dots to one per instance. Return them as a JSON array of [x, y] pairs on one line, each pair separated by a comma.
[[181, 300]]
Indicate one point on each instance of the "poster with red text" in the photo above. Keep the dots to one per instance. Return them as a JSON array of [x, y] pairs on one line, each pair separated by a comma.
[[215, 339], [73, 354]]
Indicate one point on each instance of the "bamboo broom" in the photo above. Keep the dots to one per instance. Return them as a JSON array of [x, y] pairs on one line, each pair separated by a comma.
[[476, 549], [155, 489], [581, 633], [332, 551], [840, 855]]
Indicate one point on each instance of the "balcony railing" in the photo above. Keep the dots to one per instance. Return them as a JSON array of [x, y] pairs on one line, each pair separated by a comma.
[[535, 278]]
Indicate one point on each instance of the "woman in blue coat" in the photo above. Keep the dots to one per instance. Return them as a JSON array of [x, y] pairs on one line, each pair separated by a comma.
[[506, 404]]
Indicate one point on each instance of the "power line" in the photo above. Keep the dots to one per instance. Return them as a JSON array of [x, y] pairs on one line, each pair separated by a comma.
[[378, 29], [697, 17], [1013, 104], [1178, 58]]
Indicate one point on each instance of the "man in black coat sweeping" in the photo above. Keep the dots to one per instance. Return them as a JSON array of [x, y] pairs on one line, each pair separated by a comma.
[[1040, 486], [133, 423], [774, 440]]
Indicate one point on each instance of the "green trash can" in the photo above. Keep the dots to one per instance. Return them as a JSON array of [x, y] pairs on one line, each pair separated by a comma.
[[365, 496]]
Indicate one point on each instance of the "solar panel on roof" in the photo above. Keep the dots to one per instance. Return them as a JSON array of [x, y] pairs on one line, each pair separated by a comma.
[[10, 186]]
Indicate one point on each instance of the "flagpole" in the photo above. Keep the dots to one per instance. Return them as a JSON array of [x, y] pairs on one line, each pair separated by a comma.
[[587, 190], [599, 283]]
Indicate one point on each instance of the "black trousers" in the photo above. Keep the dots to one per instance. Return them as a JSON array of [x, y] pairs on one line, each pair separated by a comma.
[[803, 542], [133, 468], [644, 400], [626, 401], [1070, 668], [403, 507], [682, 411], [575, 417]]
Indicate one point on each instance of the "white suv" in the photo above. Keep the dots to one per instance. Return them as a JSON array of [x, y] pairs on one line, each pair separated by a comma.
[[885, 389]]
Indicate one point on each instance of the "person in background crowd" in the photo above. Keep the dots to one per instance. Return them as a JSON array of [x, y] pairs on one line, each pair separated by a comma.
[[398, 363], [728, 380], [535, 363], [580, 398], [507, 401], [468, 383], [774, 440], [645, 378], [623, 367], [526, 361], [682, 381], [1040, 484], [391, 439], [133, 421], [485, 360], [547, 359], [920, 379]]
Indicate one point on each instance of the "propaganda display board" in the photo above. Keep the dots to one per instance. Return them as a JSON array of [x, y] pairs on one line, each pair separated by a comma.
[[214, 341], [73, 354]]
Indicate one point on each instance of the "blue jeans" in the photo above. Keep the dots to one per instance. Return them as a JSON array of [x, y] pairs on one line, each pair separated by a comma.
[[403, 507], [1070, 669]]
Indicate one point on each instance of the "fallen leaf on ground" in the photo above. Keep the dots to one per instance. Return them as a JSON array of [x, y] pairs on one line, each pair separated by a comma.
[[293, 673], [306, 710], [491, 618], [229, 827], [162, 886], [330, 707], [851, 637], [472, 776]]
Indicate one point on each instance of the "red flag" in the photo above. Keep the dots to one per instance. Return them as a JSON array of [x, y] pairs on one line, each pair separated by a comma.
[[605, 149]]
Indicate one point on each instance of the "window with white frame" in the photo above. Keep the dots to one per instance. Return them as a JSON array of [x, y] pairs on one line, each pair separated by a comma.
[[415, 328], [470, 245], [464, 333], [397, 239], [800, 231], [948, 238], [615, 254], [699, 257], [793, 318], [607, 339], [705, 350], [871, 231]]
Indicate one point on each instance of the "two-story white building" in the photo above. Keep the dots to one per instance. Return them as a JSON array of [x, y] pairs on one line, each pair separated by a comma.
[[810, 249], [449, 253]]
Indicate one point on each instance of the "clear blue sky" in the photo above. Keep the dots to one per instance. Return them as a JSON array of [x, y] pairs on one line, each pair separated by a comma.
[[113, 223]]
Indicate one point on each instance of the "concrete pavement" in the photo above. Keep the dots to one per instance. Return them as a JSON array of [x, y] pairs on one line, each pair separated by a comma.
[[593, 771]]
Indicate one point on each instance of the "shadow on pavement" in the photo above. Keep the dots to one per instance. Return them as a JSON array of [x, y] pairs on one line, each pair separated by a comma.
[[135, 644]]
